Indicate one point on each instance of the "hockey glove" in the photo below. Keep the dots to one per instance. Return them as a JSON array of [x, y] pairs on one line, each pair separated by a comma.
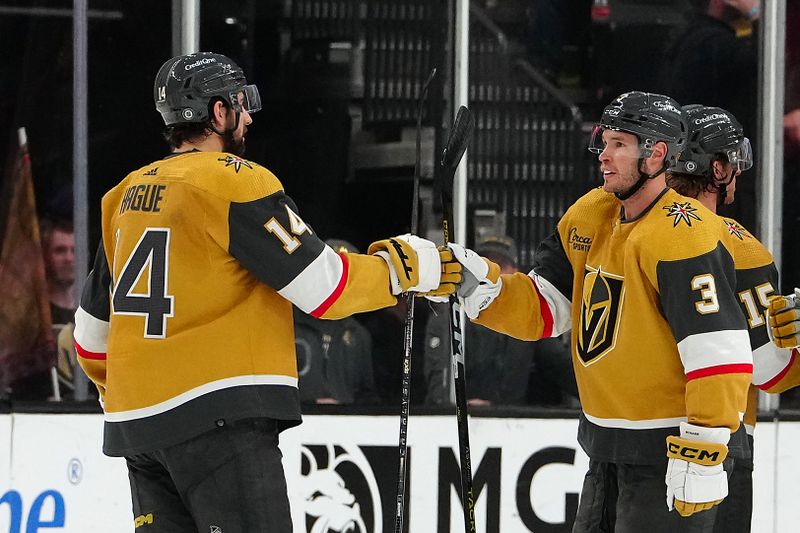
[[784, 320], [414, 263], [695, 478], [450, 277], [481, 281]]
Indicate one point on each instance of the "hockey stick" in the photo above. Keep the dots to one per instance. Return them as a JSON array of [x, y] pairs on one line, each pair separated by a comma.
[[457, 143], [405, 398]]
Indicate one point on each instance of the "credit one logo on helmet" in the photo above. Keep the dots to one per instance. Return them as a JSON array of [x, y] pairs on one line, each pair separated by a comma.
[[709, 118], [204, 61], [664, 105]]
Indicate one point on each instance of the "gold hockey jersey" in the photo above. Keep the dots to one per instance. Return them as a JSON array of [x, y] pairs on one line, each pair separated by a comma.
[[774, 369], [657, 334], [186, 318]]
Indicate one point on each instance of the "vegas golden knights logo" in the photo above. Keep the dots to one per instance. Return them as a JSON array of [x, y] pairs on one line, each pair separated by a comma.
[[600, 310]]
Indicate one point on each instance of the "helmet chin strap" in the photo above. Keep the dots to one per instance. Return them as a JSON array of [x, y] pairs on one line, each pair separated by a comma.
[[643, 177], [226, 130], [722, 188]]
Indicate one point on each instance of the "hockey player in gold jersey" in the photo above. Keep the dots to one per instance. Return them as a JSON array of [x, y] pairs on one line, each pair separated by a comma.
[[716, 153], [644, 278], [185, 323]]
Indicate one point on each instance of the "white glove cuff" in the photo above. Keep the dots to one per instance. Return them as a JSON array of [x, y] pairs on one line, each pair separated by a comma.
[[394, 281], [430, 268], [704, 434]]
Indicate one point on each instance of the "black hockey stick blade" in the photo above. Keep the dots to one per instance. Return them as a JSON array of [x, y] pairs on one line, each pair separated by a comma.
[[457, 143], [459, 138]]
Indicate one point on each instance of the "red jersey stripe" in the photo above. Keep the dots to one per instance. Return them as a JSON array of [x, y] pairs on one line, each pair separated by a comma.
[[738, 368], [769, 384], [86, 354], [547, 314], [329, 301]]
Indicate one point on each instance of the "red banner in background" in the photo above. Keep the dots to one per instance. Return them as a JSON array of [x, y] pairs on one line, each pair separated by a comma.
[[27, 346]]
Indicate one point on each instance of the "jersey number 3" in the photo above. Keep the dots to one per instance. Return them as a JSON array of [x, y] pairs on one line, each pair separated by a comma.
[[151, 255]]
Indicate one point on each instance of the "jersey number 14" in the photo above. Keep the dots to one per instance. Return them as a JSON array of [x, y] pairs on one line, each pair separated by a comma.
[[151, 255]]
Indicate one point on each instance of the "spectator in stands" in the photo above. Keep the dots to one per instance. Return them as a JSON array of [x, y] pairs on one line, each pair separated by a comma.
[[713, 59], [58, 248], [498, 368], [334, 357]]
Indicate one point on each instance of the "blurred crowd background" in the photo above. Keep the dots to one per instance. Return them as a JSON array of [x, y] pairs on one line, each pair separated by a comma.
[[340, 80]]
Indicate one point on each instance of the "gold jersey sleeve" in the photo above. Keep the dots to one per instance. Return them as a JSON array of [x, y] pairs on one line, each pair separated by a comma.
[[188, 315]]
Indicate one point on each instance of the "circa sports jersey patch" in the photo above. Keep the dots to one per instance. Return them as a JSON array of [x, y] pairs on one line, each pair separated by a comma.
[[734, 229], [601, 308], [578, 242], [236, 162], [681, 211]]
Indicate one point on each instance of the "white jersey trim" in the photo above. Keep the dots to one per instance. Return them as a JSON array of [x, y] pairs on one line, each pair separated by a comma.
[[768, 362], [91, 333], [715, 348], [623, 423], [227, 383], [316, 282], [560, 305]]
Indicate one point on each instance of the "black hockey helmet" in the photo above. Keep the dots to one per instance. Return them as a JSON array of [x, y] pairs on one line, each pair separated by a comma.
[[651, 117], [713, 131], [185, 85]]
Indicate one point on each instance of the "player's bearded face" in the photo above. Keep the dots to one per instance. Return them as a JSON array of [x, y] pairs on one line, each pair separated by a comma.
[[233, 143], [619, 161], [233, 138]]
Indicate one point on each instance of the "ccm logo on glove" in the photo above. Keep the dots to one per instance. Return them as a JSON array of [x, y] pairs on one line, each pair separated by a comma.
[[710, 456]]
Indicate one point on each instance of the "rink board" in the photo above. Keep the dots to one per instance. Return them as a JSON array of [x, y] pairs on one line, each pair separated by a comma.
[[342, 472]]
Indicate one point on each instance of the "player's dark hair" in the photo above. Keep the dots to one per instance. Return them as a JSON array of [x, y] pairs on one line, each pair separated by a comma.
[[178, 134], [692, 185], [48, 225]]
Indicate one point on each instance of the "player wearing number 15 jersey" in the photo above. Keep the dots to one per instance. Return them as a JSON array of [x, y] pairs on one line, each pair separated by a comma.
[[185, 323], [716, 154]]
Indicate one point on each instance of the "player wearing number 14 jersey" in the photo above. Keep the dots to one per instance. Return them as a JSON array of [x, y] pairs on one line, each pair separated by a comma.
[[185, 324]]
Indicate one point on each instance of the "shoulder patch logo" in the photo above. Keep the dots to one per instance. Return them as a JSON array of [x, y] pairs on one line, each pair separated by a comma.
[[151, 172], [681, 211], [236, 162], [735, 229], [577, 242], [601, 308]]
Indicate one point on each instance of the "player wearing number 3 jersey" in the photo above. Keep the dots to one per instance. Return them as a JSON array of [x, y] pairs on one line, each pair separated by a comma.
[[185, 323], [645, 278]]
